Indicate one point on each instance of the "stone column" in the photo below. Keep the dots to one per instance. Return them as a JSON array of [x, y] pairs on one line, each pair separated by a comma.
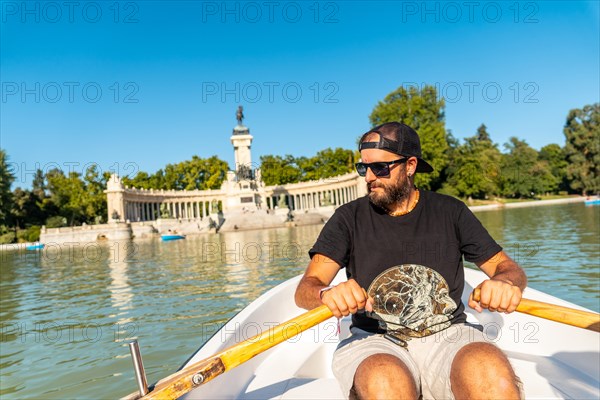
[[115, 198]]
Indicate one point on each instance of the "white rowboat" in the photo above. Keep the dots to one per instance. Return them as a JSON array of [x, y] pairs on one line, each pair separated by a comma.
[[554, 361]]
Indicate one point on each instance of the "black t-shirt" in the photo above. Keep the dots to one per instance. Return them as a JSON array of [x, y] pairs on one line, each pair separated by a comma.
[[437, 233]]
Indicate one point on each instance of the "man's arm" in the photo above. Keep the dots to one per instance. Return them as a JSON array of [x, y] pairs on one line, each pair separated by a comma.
[[503, 291], [345, 298]]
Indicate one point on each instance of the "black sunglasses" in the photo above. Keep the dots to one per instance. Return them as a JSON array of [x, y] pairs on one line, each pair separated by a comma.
[[379, 169]]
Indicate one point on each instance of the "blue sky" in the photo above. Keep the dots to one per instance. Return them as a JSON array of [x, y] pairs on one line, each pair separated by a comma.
[[135, 85]]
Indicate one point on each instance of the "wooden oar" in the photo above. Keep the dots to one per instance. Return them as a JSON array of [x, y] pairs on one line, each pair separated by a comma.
[[181, 382], [553, 312]]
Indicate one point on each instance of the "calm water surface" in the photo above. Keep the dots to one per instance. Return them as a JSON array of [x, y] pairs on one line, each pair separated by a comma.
[[67, 313]]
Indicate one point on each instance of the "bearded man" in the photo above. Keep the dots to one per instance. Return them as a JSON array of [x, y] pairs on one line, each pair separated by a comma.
[[428, 235]]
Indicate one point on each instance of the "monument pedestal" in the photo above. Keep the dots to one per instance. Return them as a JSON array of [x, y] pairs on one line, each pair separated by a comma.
[[241, 188]]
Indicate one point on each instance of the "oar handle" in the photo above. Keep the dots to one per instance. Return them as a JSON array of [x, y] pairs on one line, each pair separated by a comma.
[[553, 312], [182, 382]]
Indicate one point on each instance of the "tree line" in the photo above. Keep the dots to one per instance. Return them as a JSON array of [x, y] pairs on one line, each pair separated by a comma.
[[474, 168]]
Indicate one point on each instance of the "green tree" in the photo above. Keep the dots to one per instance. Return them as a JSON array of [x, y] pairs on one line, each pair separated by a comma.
[[474, 167], [157, 180], [197, 173], [95, 200], [39, 184], [68, 193], [277, 170], [326, 164], [482, 134], [26, 209], [556, 158], [141, 181], [424, 112], [6, 180], [523, 174], [582, 131]]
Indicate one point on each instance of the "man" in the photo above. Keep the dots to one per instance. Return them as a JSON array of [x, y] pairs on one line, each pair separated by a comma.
[[399, 224]]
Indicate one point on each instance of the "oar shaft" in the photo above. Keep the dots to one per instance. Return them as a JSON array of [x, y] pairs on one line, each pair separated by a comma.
[[565, 315], [181, 382], [553, 312], [244, 351]]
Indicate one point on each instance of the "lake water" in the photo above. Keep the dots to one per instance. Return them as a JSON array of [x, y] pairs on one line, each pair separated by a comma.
[[67, 312]]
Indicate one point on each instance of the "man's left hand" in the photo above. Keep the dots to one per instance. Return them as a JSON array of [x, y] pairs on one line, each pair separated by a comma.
[[496, 295]]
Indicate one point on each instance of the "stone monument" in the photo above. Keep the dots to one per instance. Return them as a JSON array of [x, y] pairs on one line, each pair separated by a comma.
[[242, 185]]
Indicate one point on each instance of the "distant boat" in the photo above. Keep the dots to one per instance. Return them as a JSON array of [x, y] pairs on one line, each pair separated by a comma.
[[171, 236], [35, 246], [592, 201]]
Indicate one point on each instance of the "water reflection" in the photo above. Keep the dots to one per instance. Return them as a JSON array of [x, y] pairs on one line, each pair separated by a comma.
[[120, 291]]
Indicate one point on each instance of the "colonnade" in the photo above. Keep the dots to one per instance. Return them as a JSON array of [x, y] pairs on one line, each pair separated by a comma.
[[135, 205], [152, 210], [313, 198]]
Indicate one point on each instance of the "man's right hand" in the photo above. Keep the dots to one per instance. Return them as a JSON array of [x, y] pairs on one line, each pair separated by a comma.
[[347, 298]]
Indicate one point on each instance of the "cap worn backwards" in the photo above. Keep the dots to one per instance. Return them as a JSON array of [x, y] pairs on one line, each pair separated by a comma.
[[397, 138]]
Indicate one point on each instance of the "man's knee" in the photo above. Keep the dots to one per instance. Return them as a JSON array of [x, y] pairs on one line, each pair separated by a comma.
[[381, 375], [483, 365]]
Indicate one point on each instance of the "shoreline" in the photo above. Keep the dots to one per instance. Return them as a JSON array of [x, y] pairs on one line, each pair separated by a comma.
[[532, 203], [316, 221]]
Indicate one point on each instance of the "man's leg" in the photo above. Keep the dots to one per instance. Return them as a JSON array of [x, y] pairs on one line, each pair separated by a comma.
[[480, 370], [364, 361], [461, 363], [384, 376]]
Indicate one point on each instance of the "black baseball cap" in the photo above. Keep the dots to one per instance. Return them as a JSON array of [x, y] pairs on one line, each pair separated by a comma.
[[397, 138]]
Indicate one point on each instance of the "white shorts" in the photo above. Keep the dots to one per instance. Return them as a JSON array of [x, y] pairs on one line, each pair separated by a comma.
[[429, 358]]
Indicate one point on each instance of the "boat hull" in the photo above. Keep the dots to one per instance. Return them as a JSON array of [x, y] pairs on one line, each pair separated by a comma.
[[168, 238], [553, 360]]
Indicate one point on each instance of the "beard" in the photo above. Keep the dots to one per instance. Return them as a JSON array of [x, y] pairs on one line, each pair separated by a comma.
[[392, 192]]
